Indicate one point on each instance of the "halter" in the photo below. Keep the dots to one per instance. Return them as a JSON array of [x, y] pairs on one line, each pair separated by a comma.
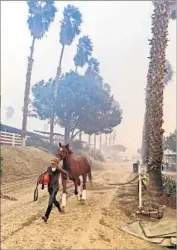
[[61, 156]]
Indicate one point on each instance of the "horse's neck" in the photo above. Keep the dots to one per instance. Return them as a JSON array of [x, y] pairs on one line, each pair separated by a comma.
[[66, 162]]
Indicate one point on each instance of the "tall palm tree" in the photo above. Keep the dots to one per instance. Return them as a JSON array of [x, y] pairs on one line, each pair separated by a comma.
[[70, 28], [146, 137], [153, 121], [41, 15], [84, 51]]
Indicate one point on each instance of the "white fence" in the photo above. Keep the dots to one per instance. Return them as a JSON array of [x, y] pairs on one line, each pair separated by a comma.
[[11, 139]]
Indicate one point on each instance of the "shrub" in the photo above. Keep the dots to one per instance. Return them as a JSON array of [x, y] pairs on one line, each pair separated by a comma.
[[169, 186]]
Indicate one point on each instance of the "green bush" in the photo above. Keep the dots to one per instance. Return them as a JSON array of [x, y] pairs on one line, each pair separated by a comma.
[[169, 186]]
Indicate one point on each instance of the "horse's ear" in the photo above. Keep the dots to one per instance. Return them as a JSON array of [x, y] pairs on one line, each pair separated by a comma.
[[59, 144], [67, 145]]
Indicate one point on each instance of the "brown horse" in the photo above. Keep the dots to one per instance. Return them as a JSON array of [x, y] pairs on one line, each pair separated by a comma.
[[75, 166]]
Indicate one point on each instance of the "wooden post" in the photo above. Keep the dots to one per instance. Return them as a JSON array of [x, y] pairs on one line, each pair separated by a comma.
[[13, 139]]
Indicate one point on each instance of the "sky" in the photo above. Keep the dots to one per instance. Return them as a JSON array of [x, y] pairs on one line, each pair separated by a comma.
[[119, 31]]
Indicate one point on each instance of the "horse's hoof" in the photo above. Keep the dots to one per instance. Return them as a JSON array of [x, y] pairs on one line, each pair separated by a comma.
[[82, 201], [63, 210]]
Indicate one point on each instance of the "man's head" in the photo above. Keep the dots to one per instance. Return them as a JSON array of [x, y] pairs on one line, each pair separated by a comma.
[[54, 163]]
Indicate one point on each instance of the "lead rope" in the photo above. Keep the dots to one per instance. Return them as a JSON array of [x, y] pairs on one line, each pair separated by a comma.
[[35, 197]]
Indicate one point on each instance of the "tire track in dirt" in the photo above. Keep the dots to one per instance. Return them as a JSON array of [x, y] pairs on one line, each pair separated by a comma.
[[94, 225], [26, 221]]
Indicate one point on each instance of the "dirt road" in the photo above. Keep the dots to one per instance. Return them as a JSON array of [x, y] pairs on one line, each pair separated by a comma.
[[93, 225]]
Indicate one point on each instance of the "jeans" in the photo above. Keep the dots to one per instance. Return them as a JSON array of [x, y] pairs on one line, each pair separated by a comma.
[[52, 200]]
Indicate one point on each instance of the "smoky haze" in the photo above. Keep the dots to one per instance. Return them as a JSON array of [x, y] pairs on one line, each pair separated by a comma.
[[119, 31]]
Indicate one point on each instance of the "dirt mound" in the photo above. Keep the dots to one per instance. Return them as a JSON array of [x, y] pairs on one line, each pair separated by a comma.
[[23, 162]]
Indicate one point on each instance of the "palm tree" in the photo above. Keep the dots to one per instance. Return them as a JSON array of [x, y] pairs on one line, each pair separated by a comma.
[[70, 28], [84, 51], [153, 121], [146, 137], [41, 15]]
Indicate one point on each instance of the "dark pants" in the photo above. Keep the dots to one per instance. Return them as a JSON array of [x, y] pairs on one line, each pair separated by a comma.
[[52, 200]]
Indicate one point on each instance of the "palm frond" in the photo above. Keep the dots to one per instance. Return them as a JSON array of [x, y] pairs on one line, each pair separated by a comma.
[[70, 25], [41, 15], [84, 50]]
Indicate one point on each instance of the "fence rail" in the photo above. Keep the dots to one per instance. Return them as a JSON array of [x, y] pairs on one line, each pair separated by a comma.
[[10, 139]]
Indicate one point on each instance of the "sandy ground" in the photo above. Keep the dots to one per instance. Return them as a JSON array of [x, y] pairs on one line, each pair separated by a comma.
[[94, 225]]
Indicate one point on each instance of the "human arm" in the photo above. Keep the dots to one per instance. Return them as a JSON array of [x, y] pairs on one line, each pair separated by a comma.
[[61, 170]]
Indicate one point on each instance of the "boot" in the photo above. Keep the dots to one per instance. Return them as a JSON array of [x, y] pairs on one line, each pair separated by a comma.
[[44, 218], [60, 210]]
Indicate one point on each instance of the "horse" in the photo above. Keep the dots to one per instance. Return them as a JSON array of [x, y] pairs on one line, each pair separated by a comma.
[[75, 166]]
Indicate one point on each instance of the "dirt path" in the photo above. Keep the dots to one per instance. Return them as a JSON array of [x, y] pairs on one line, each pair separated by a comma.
[[93, 225]]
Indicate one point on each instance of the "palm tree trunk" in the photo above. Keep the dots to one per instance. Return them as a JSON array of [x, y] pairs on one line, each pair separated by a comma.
[[105, 140], [154, 116], [100, 141], [94, 141], [27, 90], [55, 93], [89, 139], [80, 136], [109, 139], [67, 135]]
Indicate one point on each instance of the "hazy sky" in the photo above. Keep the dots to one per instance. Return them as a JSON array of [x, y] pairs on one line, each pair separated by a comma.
[[119, 31]]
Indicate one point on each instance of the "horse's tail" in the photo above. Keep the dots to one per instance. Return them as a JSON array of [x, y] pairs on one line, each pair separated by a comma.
[[89, 172]]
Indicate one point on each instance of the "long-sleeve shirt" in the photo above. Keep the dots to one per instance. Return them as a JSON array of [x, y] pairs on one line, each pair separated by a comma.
[[54, 179]]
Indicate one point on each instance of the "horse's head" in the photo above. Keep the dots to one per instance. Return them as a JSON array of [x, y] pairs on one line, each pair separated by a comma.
[[63, 151]]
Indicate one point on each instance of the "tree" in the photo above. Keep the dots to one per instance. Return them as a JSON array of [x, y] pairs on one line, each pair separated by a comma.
[[41, 15], [152, 132], [84, 51], [43, 102], [93, 67], [78, 102], [170, 142], [70, 28]]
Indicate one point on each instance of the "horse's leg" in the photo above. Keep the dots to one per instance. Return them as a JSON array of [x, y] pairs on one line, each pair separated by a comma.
[[76, 186], [63, 202], [84, 187], [79, 189]]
